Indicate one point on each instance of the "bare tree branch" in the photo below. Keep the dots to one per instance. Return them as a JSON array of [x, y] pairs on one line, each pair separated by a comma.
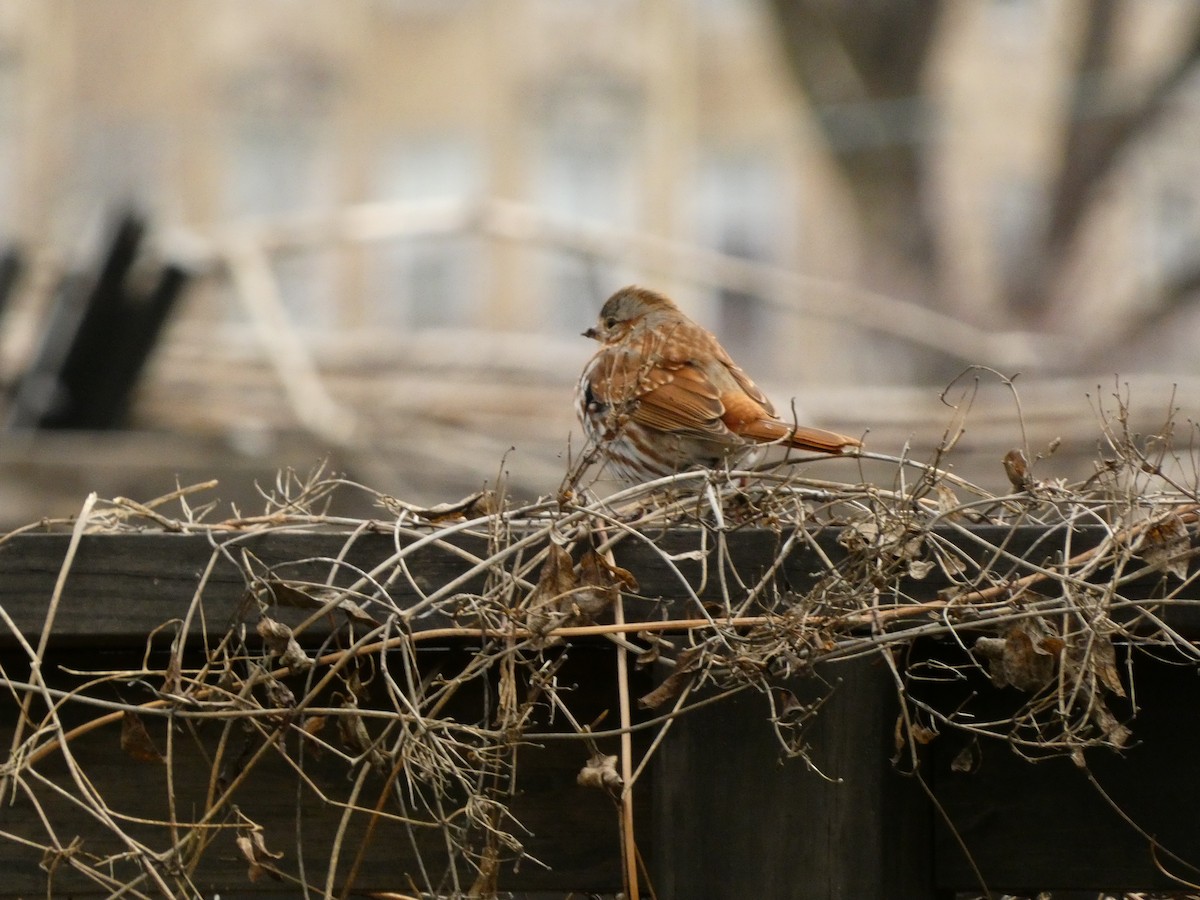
[[1103, 126], [862, 64]]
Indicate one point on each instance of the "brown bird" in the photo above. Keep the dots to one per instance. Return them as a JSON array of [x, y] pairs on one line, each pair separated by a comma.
[[661, 396]]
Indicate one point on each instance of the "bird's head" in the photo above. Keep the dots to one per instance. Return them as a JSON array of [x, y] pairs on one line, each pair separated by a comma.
[[623, 309]]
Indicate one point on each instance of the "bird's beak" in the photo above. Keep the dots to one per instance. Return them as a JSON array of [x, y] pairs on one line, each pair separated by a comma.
[[591, 333]]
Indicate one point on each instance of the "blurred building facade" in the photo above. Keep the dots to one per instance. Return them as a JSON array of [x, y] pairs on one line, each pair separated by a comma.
[[669, 117], [676, 118], [673, 119]]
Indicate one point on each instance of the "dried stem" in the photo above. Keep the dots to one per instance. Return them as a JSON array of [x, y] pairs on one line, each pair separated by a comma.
[[353, 684]]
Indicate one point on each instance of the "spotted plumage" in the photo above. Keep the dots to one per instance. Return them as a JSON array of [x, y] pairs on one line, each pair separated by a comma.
[[661, 395]]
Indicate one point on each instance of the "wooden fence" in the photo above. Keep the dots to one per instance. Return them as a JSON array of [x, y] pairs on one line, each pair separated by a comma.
[[720, 812]]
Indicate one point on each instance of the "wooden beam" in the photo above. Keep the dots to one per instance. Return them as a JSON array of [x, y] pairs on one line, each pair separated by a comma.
[[732, 820], [121, 586], [725, 816]]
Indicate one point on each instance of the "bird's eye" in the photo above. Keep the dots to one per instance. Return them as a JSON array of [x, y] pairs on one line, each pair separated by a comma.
[[610, 322]]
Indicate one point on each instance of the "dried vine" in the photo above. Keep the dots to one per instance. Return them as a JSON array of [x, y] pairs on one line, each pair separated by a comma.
[[348, 682]]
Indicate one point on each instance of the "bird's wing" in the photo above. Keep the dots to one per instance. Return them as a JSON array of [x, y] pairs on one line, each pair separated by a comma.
[[749, 387], [685, 401], [679, 398], [677, 393], [749, 413], [670, 395]]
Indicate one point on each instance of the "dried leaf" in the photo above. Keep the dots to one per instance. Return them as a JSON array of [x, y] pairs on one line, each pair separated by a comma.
[[275, 635], [895, 538], [1018, 659], [255, 852], [280, 694], [614, 574], [923, 735], [648, 656], [301, 595], [597, 591], [968, 759], [902, 541], [903, 731], [1016, 467], [1165, 546], [135, 740], [600, 582], [788, 708], [953, 566], [481, 503], [173, 677], [1113, 730], [947, 501], [260, 848], [487, 878], [1052, 645], [1103, 661], [686, 664], [546, 602], [656, 645], [919, 568], [353, 732], [858, 535], [600, 772], [280, 642], [670, 688], [352, 729]]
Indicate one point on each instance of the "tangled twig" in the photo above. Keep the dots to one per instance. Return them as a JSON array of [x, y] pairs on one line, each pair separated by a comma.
[[1045, 589]]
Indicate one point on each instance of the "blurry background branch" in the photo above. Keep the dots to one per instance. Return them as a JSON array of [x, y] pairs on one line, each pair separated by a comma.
[[396, 218], [655, 256], [862, 67], [865, 68]]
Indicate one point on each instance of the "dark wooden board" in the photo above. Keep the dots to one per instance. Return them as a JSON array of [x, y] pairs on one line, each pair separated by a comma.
[[733, 820], [724, 816], [123, 586], [572, 829], [1043, 826]]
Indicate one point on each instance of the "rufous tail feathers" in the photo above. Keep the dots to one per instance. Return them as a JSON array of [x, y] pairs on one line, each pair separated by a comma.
[[819, 439], [801, 437]]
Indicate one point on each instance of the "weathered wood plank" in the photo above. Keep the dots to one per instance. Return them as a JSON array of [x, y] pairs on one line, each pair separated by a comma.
[[728, 819], [123, 586], [731, 820], [571, 829], [1042, 826]]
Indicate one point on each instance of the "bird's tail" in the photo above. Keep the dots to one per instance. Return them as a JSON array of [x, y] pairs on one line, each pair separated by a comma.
[[801, 437], [804, 438]]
